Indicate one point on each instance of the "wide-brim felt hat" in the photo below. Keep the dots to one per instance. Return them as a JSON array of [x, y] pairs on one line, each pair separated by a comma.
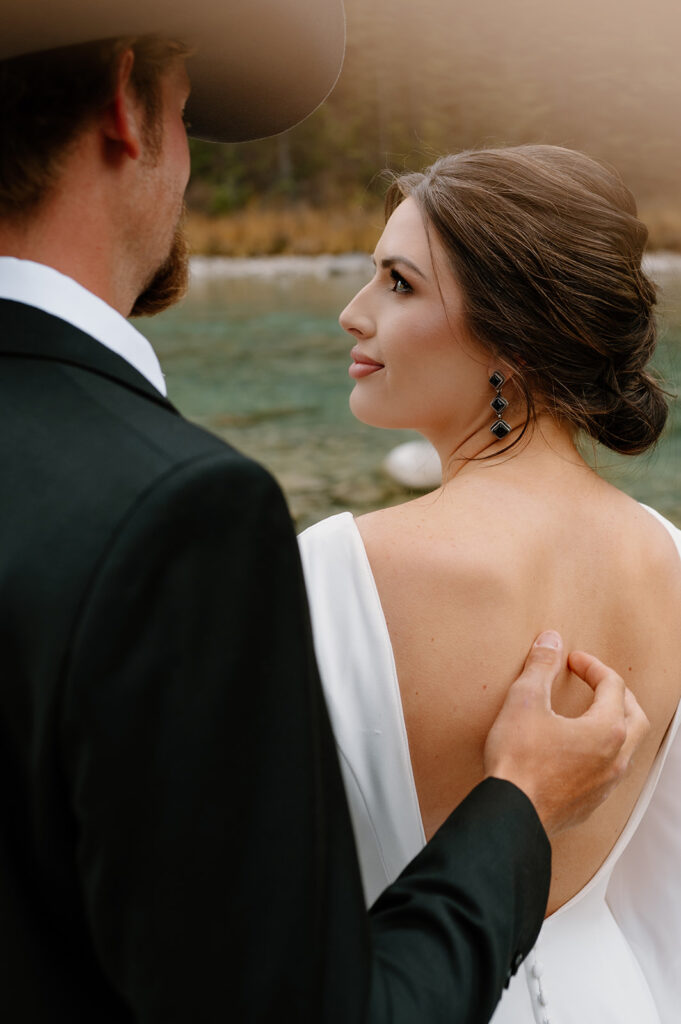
[[257, 66]]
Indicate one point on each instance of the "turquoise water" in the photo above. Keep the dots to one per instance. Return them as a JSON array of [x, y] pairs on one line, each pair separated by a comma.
[[255, 354]]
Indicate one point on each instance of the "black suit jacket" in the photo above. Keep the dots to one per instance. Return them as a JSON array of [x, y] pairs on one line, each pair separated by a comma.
[[174, 838]]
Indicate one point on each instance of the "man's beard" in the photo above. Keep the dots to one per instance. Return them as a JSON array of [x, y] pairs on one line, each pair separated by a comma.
[[170, 281]]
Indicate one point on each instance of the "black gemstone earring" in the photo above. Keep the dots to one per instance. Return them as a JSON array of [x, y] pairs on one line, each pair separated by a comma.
[[500, 428]]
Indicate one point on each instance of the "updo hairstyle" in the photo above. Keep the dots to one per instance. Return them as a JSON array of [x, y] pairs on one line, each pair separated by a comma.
[[545, 245]]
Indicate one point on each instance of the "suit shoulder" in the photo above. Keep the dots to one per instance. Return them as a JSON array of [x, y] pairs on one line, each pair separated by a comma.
[[211, 491]]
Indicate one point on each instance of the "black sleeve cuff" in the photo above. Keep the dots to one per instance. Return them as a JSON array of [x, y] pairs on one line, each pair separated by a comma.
[[462, 916]]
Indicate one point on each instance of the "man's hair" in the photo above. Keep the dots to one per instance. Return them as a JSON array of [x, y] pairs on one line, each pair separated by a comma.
[[46, 100]]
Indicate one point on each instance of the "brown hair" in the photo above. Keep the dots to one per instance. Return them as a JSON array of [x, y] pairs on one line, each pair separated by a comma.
[[46, 99], [546, 247]]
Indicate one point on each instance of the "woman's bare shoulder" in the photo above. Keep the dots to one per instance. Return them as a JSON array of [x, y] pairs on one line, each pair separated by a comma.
[[658, 543], [506, 534], [455, 528], [433, 553]]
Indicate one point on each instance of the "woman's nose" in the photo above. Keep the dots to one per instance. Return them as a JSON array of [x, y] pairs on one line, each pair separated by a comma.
[[355, 318]]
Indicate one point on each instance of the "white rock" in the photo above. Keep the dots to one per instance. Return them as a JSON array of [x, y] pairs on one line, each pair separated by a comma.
[[414, 464]]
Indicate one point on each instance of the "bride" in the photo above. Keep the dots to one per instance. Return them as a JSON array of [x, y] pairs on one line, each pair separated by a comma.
[[508, 319]]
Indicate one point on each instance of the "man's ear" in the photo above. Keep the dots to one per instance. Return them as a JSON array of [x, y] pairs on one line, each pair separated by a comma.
[[122, 120]]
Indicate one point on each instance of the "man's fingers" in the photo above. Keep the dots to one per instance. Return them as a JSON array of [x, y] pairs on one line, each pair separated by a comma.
[[567, 766], [608, 708], [540, 670], [613, 701], [638, 725], [548, 641], [593, 671], [608, 687]]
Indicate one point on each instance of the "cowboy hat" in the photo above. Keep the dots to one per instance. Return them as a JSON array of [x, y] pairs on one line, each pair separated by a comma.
[[257, 67]]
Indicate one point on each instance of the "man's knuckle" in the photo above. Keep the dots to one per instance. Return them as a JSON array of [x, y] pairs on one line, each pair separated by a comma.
[[613, 739], [619, 733], [641, 722]]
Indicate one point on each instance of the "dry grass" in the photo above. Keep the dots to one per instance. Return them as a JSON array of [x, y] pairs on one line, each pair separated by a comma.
[[664, 224], [300, 230], [306, 231]]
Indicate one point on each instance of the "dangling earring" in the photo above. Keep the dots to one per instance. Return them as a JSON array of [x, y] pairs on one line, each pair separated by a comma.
[[500, 428]]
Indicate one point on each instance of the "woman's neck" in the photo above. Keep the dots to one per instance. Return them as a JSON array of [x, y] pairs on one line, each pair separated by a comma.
[[544, 443]]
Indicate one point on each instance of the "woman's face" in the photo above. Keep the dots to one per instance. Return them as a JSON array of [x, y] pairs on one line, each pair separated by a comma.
[[413, 363]]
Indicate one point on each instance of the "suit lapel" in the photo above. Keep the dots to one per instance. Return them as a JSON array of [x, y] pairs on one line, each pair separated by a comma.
[[33, 334]]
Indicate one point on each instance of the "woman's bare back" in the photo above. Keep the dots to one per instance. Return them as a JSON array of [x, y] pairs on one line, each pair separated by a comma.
[[469, 575]]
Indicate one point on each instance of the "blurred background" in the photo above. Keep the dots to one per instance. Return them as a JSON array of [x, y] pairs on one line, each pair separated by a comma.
[[427, 78], [255, 353]]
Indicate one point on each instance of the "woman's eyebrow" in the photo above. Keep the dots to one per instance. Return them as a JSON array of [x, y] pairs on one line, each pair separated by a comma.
[[390, 261]]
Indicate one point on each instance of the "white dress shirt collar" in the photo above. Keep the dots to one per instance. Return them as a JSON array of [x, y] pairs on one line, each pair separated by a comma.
[[46, 288]]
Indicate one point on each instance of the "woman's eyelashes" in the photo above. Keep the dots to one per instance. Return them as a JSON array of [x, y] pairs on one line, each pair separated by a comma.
[[401, 285]]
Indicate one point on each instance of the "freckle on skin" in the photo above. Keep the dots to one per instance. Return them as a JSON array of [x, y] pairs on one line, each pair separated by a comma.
[[484, 686]]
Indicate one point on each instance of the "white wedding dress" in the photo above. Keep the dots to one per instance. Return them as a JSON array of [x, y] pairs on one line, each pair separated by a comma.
[[612, 954]]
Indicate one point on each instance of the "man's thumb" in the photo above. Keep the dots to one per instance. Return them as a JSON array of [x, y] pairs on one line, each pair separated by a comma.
[[541, 666]]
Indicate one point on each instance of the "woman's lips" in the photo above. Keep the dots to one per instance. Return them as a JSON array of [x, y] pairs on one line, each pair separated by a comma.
[[362, 365]]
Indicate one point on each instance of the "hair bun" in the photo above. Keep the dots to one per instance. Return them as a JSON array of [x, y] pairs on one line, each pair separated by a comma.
[[636, 414]]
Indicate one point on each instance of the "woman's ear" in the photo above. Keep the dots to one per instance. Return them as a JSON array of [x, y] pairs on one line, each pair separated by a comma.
[[122, 121]]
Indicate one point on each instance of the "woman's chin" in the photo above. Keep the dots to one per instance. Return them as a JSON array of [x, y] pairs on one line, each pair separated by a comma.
[[363, 411], [374, 414]]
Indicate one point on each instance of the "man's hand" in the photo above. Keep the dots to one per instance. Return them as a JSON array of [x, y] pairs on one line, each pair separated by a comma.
[[566, 766]]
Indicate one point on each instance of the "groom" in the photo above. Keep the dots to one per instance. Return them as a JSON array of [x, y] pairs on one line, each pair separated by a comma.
[[174, 838]]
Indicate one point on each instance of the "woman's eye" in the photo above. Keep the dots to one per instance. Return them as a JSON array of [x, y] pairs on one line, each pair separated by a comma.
[[186, 122], [401, 286]]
